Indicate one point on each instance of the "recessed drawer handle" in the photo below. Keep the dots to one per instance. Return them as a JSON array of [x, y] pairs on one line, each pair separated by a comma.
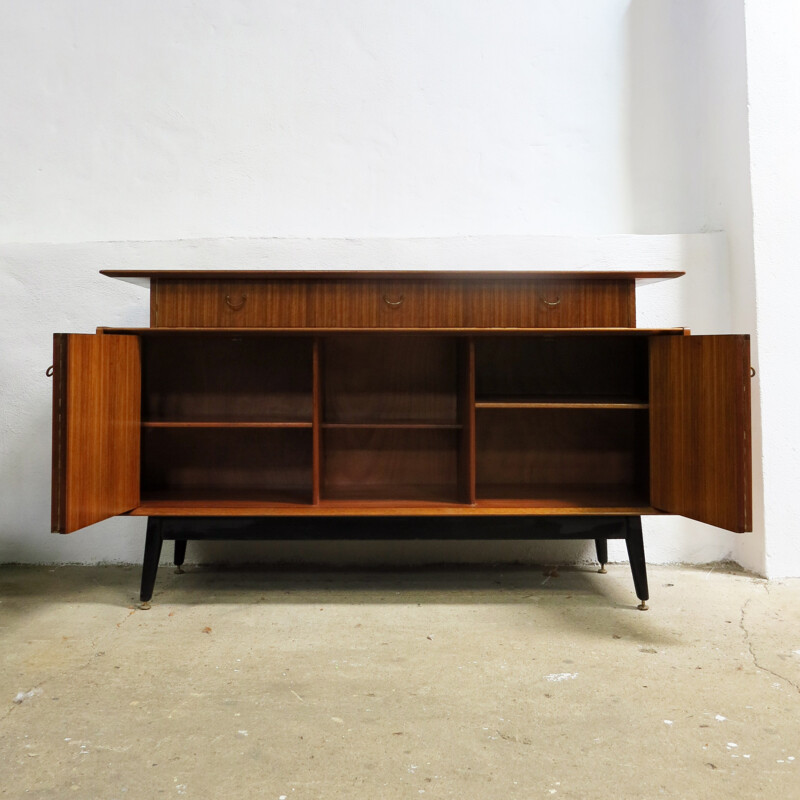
[[394, 303], [235, 306], [552, 303]]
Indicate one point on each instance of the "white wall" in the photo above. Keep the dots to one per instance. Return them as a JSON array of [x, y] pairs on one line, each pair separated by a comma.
[[773, 31], [191, 121]]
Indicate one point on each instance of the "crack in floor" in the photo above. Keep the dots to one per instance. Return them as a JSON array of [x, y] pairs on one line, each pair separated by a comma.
[[753, 655]]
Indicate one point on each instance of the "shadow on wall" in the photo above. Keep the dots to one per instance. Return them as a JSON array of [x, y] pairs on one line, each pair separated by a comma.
[[666, 87]]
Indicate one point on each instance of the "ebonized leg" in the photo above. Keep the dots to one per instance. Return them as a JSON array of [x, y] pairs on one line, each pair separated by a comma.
[[152, 554], [635, 545], [180, 555], [601, 545]]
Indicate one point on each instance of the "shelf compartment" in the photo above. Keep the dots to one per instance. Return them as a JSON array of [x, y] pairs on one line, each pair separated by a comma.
[[227, 379], [561, 370], [380, 465], [562, 458], [390, 379], [264, 466]]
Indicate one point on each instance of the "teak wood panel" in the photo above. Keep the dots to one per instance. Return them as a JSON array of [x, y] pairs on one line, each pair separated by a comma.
[[230, 304], [520, 450], [266, 463], [561, 367], [390, 464], [227, 379], [393, 303], [383, 378], [700, 452], [549, 304], [96, 428], [387, 304]]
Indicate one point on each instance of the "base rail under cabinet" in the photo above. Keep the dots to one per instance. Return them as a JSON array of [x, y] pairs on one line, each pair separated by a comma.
[[599, 528]]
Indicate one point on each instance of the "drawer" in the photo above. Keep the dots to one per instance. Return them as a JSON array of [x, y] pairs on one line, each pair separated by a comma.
[[555, 303], [230, 304], [387, 304]]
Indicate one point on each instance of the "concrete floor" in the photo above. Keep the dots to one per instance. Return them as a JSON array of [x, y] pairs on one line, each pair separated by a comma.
[[465, 683]]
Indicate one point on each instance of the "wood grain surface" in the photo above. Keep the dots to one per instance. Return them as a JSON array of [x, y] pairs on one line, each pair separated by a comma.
[[97, 401], [393, 303], [700, 452]]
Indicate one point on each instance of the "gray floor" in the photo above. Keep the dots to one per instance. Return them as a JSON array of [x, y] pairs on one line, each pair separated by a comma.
[[465, 683]]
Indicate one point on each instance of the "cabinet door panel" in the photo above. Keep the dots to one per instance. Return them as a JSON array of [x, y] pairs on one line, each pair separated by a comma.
[[96, 428], [700, 461]]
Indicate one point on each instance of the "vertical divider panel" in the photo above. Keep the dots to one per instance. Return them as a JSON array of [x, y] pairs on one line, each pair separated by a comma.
[[466, 414], [316, 420]]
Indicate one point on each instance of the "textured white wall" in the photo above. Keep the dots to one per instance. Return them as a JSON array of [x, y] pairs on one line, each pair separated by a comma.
[[198, 120]]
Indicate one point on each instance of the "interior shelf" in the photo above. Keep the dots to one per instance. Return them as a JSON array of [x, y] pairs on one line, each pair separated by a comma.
[[624, 498], [151, 424], [410, 425], [561, 402]]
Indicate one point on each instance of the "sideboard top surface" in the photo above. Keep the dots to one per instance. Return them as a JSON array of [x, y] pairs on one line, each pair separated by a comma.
[[143, 277]]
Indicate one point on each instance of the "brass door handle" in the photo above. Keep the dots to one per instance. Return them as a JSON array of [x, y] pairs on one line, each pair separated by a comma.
[[235, 306], [393, 303]]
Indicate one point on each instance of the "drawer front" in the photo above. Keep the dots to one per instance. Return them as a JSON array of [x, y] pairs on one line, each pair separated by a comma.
[[549, 304], [230, 304], [388, 304]]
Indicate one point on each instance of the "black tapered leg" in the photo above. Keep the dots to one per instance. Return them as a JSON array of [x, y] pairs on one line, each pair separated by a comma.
[[152, 554], [601, 545], [180, 554], [635, 544]]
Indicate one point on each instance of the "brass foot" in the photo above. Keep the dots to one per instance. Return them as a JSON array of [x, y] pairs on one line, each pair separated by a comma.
[[602, 569], [178, 571], [144, 606], [643, 606]]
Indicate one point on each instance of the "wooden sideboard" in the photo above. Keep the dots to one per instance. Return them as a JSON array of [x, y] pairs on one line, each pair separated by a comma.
[[487, 405]]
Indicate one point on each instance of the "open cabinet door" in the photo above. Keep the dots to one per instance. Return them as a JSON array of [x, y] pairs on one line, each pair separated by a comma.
[[96, 416], [700, 461]]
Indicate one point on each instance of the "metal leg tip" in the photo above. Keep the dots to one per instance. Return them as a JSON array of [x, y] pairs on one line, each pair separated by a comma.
[[602, 569], [144, 606], [178, 571], [643, 606]]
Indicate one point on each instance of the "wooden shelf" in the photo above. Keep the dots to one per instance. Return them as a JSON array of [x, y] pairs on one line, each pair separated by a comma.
[[563, 402], [226, 424], [559, 498], [410, 425]]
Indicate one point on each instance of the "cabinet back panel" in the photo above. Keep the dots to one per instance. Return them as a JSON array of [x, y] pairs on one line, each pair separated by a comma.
[[613, 367], [223, 378], [390, 379], [229, 462], [559, 447], [390, 464]]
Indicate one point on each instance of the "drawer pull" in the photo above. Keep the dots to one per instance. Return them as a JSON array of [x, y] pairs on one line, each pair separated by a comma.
[[49, 371], [394, 303], [551, 303], [235, 306]]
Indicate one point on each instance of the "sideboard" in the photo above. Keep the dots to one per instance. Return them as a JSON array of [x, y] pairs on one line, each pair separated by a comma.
[[492, 405]]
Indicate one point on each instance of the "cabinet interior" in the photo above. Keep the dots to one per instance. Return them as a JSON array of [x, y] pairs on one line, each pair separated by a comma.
[[396, 420]]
